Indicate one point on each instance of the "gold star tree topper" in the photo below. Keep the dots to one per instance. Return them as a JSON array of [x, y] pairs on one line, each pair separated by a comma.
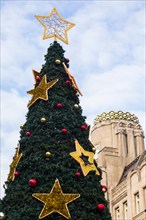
[[55, 26], [55, 201], [41, 91], [77, 156], [14, 164]]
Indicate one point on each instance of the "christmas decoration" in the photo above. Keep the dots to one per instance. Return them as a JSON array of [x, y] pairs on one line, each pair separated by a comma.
[[38, 78], [77, 156], [14, 164], [100, 208], [94, 149], [2, 216], [83, 127], [40, 92], [55, 26], [77, 174], [55, 201], [36, 75], [28, 133], [68, 82], [64, 130], [104, 189], [76, 105], [59, 105], [21, 126], [43, 120], [86, 125], [32, 182], [67, 59], [74, 84], [16, 174], [48, 154], [57, 62]]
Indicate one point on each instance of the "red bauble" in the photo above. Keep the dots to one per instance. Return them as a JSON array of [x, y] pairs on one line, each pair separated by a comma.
[[67, 59], [28, 133], [77, 174], [32, 182], [59, 105], [104, 188], [86, 125], [37, 78], [67, 82], [64, 130], [100, 208], [83, 127], [16, 174]]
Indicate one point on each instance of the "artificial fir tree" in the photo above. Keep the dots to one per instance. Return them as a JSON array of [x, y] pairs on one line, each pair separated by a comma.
[[53, 174]]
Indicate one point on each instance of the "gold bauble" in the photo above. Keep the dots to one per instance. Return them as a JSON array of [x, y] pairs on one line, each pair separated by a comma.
[[57, 62], [76, 105], [21, 126], [43, 120], [94, 149], [2, 215], [48, 154], [104, 190]]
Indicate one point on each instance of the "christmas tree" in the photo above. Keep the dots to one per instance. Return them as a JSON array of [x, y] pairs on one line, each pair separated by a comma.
[[53, 174]]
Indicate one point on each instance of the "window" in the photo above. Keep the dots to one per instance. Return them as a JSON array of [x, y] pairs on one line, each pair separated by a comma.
[[135, 146], [125, 206], [144, 190], [117, 211], [126, 144], [137, 203]]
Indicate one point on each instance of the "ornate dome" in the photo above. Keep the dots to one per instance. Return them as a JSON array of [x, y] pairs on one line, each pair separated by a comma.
[[116, 115]]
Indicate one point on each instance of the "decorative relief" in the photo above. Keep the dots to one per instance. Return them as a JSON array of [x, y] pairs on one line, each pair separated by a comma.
[[139, 134], [121, 131], [120, 196], [119, 189], [130, 125]]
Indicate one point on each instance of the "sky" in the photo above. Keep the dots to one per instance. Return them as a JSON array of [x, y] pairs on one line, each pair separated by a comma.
[[107, 58]]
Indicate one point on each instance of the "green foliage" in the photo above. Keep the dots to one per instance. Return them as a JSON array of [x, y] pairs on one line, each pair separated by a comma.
[[47, 137]]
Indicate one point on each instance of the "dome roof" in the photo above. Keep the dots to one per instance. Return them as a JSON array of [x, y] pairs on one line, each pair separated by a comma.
[[120, 115]]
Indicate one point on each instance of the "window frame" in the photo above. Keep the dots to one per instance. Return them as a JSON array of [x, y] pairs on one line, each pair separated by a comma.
[[125, 209], [117, 213], [137, 203]]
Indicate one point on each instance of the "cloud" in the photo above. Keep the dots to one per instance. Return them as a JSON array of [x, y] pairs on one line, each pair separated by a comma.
[[106, 52], [13, 111]]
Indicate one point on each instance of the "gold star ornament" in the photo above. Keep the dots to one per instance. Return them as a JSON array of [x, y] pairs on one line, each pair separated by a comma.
[[14, 164], [41, 91], [74, 84], [55, 26], [86, 168], [35, 74], [55, 201]]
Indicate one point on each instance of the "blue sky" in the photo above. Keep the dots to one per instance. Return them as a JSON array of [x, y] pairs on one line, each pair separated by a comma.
[[106, 51]]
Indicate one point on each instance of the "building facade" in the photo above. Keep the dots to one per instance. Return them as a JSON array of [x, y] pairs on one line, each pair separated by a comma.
[[119, 150]]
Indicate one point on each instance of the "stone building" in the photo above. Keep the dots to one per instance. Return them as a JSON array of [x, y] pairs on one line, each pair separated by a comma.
[[119, 150]]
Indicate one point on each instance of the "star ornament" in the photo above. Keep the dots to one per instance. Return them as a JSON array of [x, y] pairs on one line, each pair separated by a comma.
[[41, 91], [75, 86], [77, 156], [35, 74], [55, 201], [14, 164], [55, 26]]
